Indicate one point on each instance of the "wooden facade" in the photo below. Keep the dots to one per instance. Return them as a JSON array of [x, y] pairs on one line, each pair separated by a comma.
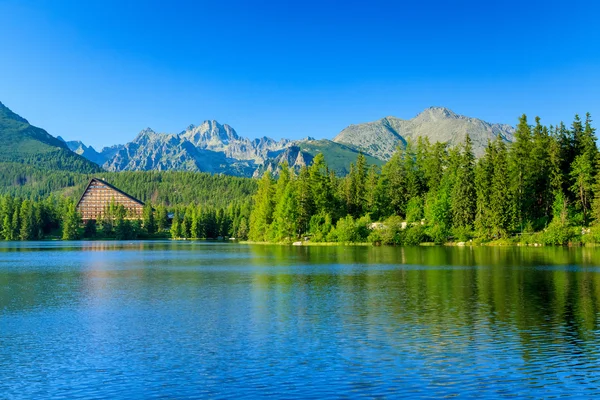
[[98, 195]]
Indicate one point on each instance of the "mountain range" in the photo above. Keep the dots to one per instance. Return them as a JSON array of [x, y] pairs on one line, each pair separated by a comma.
[[217, 148]]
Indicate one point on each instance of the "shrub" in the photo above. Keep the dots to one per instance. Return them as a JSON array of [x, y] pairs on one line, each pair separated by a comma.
[[462, 233], [558, 234], [414, 235], [392, 233], [438, 233]]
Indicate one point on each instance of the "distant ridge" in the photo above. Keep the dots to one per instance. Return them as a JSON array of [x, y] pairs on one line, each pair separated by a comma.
[[381, 138]]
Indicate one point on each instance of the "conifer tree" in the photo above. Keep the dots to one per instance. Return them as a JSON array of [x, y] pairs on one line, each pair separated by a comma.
[[520, 175], [543, 198], [484, 174], [392, 185], [463, 193], [320, 184], [583, 167], [162, 218], [499, 202], [148, 219], [70, 225], [175, 231], [304, 200], [262, 213], [26, 217], [285, 218]]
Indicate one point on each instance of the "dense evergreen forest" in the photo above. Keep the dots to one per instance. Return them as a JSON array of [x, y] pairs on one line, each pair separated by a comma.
[[542, 188], [159, 187]]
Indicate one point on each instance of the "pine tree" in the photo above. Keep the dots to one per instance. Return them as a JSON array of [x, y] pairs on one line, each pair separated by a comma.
[[285, 217], [25, 215], [304, 200], [500, 201], [162, 218], [583, 169], [370, 201], [195, 231], [148, 219], [463, 193], [320, 184], [521, 175], [392, 185], [540, 162], [70, 225], [582, 175], [175, 232], [484, 174], [262, 213]]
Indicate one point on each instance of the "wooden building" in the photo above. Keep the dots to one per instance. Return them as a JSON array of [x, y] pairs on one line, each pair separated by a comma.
[[98, 195]]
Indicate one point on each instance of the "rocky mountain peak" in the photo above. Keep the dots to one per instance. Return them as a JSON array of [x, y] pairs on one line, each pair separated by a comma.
[[434, 113], [440, 124]]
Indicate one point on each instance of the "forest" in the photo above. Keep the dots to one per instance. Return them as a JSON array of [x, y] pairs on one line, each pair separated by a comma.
[[543, 188]]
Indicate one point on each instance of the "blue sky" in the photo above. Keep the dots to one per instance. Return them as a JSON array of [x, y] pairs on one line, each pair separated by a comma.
[[102, 71]]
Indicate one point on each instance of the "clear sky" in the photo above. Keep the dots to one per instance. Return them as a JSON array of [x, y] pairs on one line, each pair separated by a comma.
[[101, 71]]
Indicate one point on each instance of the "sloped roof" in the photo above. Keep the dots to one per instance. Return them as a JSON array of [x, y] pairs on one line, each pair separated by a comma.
[[110, 186]]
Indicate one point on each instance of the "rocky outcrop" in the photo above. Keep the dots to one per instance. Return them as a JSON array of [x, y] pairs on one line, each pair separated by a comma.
[[88, 152], [381, 138]]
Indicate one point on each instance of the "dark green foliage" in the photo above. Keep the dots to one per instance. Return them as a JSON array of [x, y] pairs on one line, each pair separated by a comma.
[[90, 229], [158, 187], [25, 144], [148, 219]]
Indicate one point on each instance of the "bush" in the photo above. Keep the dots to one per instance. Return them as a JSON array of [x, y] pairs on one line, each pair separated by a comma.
[[362, 229], [462, 234], [558, 234], [375, 237], [392, 232], [414, 235], [438, 234], [320, 227], [593, 237]]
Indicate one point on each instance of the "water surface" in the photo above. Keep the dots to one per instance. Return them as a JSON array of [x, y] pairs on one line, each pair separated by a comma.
[[220, 320]]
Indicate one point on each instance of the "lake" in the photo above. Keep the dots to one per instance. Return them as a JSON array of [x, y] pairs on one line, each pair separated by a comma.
[[221, 320]]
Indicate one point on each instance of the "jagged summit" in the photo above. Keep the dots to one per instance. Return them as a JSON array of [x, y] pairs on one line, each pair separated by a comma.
[[440, 124], [215, 147], [438, 112]]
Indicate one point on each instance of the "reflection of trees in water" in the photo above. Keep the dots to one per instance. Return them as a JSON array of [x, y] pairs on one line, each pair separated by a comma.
[[541, 294], [544, 296]]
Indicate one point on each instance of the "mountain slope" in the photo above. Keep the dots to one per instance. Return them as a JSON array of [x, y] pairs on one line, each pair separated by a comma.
[[301, 153], [381, 138], [77, 147], [27, 144]]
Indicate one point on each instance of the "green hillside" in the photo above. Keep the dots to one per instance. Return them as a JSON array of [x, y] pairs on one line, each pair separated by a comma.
[[159, 187], [26, 144], [338, 156]]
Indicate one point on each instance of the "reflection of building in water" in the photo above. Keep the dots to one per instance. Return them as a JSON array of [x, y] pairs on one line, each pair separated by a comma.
[[98, 195]]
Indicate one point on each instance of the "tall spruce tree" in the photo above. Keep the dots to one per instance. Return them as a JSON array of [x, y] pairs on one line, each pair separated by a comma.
[[520, 171], [500, 201], [463, 193], [262, 213]]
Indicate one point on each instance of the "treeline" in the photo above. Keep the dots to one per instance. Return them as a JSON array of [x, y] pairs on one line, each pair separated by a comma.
[[49, 158], [169, 188], [543, 188], [56, 217]]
